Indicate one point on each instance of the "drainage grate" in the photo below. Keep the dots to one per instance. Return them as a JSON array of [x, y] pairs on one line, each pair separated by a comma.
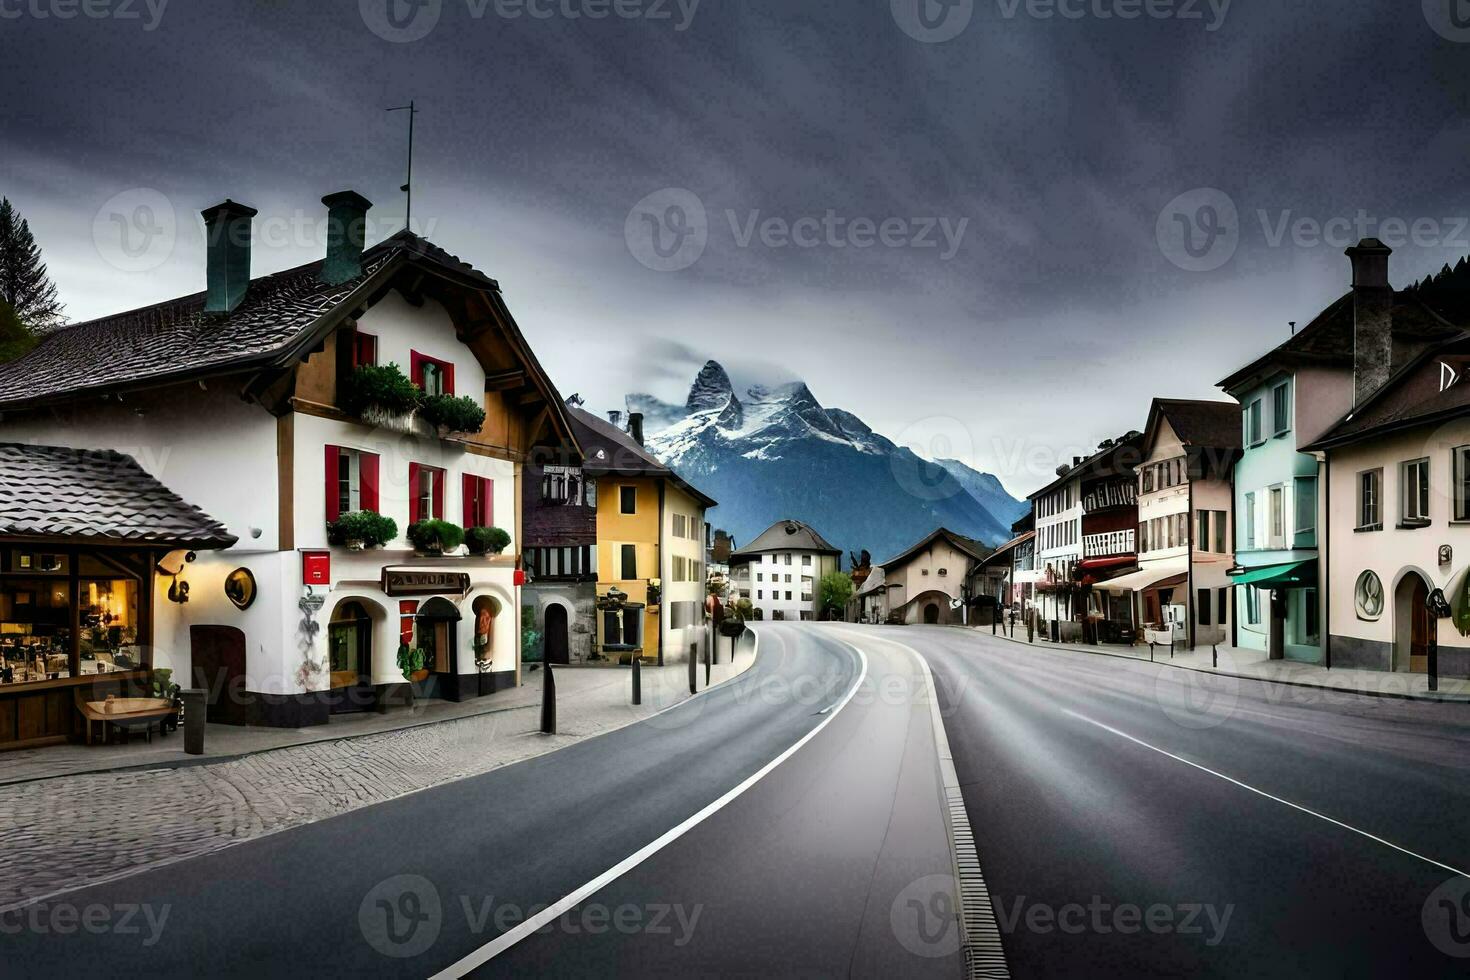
[[984, 955]]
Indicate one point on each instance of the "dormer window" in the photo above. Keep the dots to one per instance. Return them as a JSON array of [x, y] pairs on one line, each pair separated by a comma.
[[433, 376]]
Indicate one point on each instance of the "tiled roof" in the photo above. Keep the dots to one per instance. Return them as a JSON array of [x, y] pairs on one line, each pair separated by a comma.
[[608, 450], [975, 549], [1203, 424], [1413, 396], [177, 340], [105, 497], [788, 536]]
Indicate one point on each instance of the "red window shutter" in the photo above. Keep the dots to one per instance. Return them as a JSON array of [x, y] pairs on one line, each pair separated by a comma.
[[448, 377], [416, 367], [367, 349], [438, 476], [367, 465], [333, 510], [487, 503], [471, 515], [413, 493]]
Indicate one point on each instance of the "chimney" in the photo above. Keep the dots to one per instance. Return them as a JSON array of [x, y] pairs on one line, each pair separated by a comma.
[[227, 244], [615, 417], [346, 232], [635, 426], [1372, 318]]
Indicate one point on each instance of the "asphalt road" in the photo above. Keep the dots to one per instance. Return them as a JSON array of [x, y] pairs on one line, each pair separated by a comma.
[[801, 873], [1106, 857]]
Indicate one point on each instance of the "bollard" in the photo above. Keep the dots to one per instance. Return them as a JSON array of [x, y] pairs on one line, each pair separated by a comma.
[[637, 680], [1215, 655], [548, 700], [195, 713], [709, 658], [693, 672]]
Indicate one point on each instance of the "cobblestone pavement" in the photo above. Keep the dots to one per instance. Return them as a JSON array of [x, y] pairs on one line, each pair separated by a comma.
[[73, 831]]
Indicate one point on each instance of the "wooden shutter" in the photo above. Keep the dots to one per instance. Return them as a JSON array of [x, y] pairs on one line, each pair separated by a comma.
[[333, 508], [487, 503], [416, 368], [367, 349], [413, 494], [448, 370], [471, 505], [438, 476], [367, 468]]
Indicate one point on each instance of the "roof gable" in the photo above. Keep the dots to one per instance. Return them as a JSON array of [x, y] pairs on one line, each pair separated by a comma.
[[969, 546]]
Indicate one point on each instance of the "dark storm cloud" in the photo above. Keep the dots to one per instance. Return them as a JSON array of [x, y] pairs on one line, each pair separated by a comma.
[[828, 149]]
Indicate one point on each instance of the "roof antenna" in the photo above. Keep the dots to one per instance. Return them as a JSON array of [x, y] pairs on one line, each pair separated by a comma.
[[407, 188], [1292, 324]]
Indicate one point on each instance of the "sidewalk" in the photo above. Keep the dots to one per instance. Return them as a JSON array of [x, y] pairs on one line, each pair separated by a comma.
[[72, 828], [1254, 665]]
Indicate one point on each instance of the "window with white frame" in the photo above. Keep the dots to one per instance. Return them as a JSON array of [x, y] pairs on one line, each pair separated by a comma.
[[1460, 458], [1414, 492], [1254, 434], [1281, 408], [1306, 506], [1250, 520], [1277, 515], [1370, 500]]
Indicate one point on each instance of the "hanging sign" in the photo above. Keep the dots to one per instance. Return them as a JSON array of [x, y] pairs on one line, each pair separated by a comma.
[[407, 582]]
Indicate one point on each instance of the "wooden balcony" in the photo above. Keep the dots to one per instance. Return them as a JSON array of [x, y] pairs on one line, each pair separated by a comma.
[[1108, 544]]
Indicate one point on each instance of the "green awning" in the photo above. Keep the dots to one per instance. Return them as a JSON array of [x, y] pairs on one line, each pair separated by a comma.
[[1288, 575]]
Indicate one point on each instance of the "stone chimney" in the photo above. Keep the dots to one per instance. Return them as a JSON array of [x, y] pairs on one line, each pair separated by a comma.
[[346, 234], [227, 265], [1372, 318], [635, 426]]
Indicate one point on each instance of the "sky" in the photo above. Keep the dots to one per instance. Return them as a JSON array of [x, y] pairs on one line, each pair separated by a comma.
[[993, 229]]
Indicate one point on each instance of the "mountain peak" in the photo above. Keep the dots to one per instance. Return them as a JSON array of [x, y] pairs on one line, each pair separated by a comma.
[[711, 389]]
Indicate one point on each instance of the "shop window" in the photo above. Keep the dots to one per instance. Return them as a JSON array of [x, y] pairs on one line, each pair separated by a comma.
[[433, 376], [35, 629], [426, 493], [479, 501], [352, 481]]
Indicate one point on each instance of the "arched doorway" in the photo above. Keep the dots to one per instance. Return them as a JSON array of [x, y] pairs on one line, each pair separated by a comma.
[[217, 659], [1412, 625], [436, 632], [931, 614], [558, 640], [350, 659]]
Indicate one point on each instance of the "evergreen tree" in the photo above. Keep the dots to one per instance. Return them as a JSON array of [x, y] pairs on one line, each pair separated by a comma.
[[15, 339], [24, 283]]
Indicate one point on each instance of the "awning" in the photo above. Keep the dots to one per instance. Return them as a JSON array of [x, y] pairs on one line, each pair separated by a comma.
[[1144, 578], [1287, 575], [1113, 562]]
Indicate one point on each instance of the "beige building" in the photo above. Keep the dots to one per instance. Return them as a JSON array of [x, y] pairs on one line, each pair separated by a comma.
[[923, 584]]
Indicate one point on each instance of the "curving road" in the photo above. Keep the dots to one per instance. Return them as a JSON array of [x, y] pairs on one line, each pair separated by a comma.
[[682, 861], [1268, 830]]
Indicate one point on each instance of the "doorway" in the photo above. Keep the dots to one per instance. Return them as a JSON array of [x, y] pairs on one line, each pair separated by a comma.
[[558, 642], [1412, 625], [350, 659], [931, 614], [436, 636], [217, 660]]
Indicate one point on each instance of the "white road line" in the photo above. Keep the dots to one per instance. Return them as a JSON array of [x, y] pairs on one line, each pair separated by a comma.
[[1261, 792], [506, 940]]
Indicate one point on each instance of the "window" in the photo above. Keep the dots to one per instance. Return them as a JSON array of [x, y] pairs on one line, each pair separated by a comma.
[[786, 559], [1250, 521], [628, 500], [433, 376], [1311, 619], [1278, 516], [788, 597], [1222, 605], [1306, 511], [573, 562], [1370, 487], [479, 501], [1253, 605], [806, 560], [352, 481], [1281, 408], [1253, 432], [681, 526], [1461, 465], [426, 493], [1204, 531], [628, 564], [1221, 520], [1414, 492], [1143, 537], [1202, 614]]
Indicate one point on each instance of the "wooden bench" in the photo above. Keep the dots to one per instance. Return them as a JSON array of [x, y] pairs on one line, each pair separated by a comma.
[[125, 714]]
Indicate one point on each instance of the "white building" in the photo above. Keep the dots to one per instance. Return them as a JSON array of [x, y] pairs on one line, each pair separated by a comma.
[[779, 571], [239, 399]]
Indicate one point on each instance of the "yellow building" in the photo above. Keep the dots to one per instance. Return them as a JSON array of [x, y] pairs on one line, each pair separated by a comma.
[[650, 547]]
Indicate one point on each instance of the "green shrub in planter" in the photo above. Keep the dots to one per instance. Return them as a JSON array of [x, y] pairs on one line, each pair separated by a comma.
[[379, 388], [435, 536], [462, 414], [487, 540], [365, 527]]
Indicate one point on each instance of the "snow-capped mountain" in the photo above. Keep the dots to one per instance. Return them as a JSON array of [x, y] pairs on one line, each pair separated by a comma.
[[777, 453]]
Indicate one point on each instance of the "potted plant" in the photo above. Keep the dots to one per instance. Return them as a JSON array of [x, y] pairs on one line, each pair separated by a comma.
[[362, 529], [411, 661], [487, 540], [380, 394], [435, 537], [451, 414]]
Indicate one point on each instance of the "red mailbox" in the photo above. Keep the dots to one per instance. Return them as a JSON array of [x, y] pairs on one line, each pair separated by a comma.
[[316, 568]]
